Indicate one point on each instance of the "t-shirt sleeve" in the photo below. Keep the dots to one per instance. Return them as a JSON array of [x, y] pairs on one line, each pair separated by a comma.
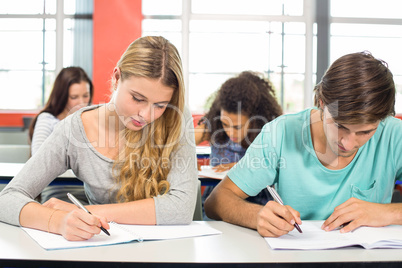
[[48, 162], [397, 147], [259, 167], [178, 204]]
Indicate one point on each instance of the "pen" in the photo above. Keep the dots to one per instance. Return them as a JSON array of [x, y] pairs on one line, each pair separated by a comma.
[[278, 199], [78, 204]]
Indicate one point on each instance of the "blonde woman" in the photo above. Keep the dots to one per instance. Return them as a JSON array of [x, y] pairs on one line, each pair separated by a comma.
[[135, 154]]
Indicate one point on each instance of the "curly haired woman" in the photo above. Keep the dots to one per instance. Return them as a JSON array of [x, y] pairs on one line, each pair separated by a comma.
[[243, 105]]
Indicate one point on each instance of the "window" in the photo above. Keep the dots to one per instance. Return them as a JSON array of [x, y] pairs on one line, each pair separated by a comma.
[[42, 37], [219, 39], [376, 28]]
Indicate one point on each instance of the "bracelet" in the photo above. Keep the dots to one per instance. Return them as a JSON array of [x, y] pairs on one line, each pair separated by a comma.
[[48, 223]]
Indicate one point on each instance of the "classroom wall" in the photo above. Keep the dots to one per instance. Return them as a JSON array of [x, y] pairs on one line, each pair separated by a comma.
[[115, 25], [13, 119]]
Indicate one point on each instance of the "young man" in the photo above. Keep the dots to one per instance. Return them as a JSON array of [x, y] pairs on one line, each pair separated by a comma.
[[337, 162]]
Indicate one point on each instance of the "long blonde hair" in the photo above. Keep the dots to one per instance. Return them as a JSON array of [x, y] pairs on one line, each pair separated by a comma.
[[142, 168]]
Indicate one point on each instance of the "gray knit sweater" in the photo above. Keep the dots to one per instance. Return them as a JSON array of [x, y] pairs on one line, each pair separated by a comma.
[[68, 147]]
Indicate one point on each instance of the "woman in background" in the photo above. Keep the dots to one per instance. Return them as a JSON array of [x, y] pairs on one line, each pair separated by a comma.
[[244, 104], [71, 91]]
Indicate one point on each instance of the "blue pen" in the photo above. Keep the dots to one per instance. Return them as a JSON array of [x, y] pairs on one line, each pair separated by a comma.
[[78, 204], [278, 199]]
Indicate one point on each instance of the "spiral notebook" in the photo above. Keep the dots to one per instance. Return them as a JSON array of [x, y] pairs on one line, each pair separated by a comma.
[[122, 233], [313, 237]]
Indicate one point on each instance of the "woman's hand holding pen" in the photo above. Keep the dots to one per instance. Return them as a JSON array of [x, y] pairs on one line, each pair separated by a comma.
[[355, 213], [275, 220], [75, 224], [79, 225]]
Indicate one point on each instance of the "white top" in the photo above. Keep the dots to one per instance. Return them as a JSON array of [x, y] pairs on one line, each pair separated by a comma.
[[44, 126]]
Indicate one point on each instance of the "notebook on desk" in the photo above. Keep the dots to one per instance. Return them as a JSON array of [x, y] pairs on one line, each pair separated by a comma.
[[313, 238], [208, 172], [122, 233]]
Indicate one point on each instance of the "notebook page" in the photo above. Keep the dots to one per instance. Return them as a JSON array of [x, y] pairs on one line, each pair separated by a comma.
[[121, 233], [379, 237], [162, 232], [53, 241], [313, 237], [208, 172]]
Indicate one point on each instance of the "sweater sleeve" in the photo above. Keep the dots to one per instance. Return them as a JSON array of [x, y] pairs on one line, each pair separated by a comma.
[[178, 204], [48, 162], [44, 126]]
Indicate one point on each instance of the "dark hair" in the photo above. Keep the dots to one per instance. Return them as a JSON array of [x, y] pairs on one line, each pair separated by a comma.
[[248, 94], [357, 89], [59, 96]]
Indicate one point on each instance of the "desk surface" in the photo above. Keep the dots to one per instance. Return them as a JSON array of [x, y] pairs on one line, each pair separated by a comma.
[[236, 245], [12, 169], [203, 150], [9, 170]]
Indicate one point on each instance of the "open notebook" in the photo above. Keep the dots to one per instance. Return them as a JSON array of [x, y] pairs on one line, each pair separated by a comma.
[[121, 233], [208, 172], [313, 237]]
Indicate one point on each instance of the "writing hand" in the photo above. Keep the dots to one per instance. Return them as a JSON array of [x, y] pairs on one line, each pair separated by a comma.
[[275, 220], [79, 225], [355, 213]]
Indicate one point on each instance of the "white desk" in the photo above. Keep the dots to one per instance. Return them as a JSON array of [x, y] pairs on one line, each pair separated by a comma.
[[203, 150], [9, 170], [236, 245]]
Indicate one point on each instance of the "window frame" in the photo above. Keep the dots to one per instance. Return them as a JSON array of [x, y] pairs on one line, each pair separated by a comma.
[[59, 16], [317, 18], [307, 18]]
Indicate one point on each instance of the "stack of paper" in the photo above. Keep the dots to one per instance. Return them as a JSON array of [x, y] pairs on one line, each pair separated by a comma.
[[208, 172]]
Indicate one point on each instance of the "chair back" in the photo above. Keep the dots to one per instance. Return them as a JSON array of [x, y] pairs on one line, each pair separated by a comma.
[[198, 206]]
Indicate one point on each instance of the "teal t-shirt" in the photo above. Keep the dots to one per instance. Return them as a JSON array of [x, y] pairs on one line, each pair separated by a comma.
[[283, 154]]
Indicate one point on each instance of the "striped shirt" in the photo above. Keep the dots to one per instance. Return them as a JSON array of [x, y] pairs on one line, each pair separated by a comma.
[[43, 128]]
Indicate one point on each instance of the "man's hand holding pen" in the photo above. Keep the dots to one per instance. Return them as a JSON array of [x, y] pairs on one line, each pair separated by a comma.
[[275, 220]]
